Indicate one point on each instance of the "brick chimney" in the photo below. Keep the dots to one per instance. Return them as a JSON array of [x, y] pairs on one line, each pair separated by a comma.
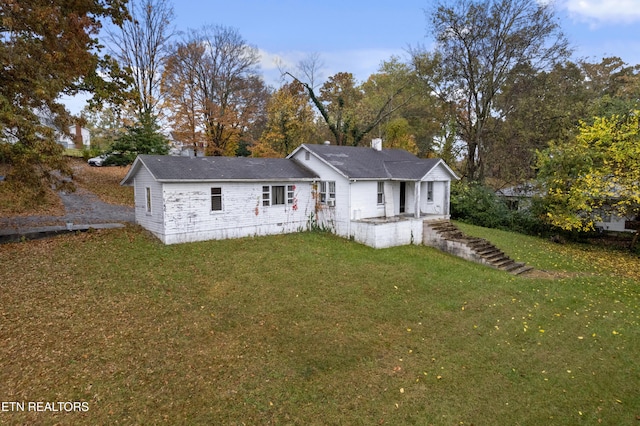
[[77, 138]]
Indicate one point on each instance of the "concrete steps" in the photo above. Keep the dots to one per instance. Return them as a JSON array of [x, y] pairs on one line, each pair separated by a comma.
[[446, 236]]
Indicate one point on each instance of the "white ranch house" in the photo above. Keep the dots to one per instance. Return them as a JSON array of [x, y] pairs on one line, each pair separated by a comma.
[[378, 197]]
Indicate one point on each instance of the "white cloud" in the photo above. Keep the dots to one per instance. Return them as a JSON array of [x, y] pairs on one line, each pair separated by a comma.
[[361, 63], [598, 12]]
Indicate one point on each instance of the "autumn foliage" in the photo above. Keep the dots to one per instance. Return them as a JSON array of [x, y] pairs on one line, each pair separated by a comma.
[[48, 49], [595, 174]]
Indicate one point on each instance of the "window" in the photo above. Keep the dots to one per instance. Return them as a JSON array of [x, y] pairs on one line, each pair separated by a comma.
[[380, 192], [290, 193], [323, 192], [429, 191], [216, 199], [307, 155], [327, 191], [148, 198], [277, 195]]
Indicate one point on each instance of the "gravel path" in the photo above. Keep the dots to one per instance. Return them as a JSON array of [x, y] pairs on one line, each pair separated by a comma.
[[81, 208]]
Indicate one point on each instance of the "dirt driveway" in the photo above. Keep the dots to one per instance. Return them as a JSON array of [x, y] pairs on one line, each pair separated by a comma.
[[81, 208]]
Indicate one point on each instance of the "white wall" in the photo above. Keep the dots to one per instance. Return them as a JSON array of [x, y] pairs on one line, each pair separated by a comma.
[[437, 206], [152, 221], [615, 224], [388, 234], [441, 196], [364, 200], [188, 216], [334, 218]]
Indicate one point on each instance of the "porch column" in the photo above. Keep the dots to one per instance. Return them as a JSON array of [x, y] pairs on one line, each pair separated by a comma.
[[389, 207], [416, 199], [447, 198]]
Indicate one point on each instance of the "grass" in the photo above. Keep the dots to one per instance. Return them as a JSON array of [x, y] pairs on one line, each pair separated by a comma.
[[314, 329], [74, 152], [102, 181]]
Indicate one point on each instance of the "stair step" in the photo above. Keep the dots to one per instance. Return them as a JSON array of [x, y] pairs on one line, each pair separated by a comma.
[[503, 263], [513, 266], [483, 248], [522, 270], [489, 254], [486, 249]]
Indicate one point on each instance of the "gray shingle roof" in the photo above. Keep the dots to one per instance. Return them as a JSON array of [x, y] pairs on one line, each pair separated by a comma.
[[170, 168], [368, 163]]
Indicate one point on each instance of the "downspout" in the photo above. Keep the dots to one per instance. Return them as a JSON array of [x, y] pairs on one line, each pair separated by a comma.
[[349, 212], [416, 199]]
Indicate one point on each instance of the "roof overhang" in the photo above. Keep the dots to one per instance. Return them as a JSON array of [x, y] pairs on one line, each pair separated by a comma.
[[322, 160], [445, 166]]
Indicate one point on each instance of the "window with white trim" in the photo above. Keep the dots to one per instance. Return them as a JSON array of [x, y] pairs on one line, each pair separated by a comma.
[[148, 199], [216, 199], [429, 191], [277, 195], [327, 191], [380, 192], [290, 193]]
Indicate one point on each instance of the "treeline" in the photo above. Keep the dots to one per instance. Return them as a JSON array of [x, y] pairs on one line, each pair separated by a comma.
[[498, 96]]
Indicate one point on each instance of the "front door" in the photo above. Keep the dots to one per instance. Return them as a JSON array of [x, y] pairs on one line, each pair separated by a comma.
[[403, 193]]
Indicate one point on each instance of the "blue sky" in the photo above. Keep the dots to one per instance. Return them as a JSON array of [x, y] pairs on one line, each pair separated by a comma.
[[356, 35]]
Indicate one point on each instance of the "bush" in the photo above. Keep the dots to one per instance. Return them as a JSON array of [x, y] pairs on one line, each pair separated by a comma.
[[479, 205], [119, 159], [476, 204], [91, 152]]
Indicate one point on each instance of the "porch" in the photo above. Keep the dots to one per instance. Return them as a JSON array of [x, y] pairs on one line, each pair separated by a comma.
[[384, 232]]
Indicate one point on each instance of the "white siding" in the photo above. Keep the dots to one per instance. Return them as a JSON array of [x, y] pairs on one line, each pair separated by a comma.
[[441, 179], [337, 218], [388, 234], [439, 204], [615, 223], [364, 200], [151, 221], [188, 215], [439, 173]]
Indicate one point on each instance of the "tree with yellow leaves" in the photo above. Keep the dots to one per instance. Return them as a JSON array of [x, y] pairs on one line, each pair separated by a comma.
[[289, 122], [597, 171]]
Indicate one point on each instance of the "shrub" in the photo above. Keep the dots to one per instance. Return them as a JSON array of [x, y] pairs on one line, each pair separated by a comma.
[[476, 204], [479, 205]]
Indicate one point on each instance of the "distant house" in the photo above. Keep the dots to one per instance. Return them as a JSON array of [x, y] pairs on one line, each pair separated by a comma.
[[519, 198], [80, 138], [379, 197]]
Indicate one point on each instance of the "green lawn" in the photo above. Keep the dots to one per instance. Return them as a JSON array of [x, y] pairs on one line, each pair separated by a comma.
[[314, 329]]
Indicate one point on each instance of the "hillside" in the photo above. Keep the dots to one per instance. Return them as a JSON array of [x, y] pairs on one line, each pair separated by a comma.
[[314, 329]]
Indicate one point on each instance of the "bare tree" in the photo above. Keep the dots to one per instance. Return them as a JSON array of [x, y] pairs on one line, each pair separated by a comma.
[[310, 68], [339, 105], [480, 43], [181, 96], [218, 65], [141, 46]]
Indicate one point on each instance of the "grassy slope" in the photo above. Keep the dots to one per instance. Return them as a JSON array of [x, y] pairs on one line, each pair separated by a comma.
[[102, 181], [314, 329]]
